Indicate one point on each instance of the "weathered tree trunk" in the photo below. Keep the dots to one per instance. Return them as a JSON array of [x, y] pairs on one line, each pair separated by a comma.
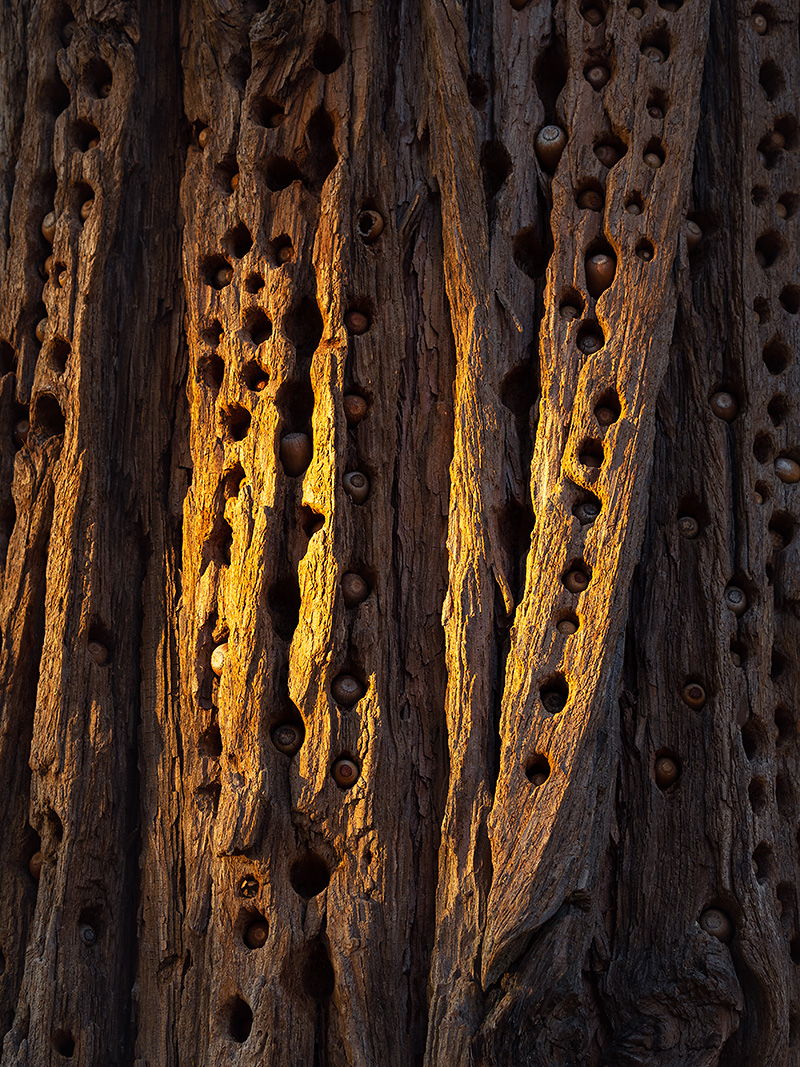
[[400, 604]]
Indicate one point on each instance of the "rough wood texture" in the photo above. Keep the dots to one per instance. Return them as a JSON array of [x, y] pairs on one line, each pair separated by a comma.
[[399, 605]]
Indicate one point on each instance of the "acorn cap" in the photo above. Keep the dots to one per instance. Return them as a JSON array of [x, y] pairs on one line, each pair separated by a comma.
[[296, 452], [255, 936], [590, 343], [759, 23], [600, 271], [285, 253], [735, 599], [597, 76], [550, 143], [355, 408], [569, 312], [356, 322], [354, 589], [652, 159], [347, 690], [345, 772], [654, 53], [587, 512], [356, 485], [287, 738], [636, 12], [605, 416], [219, 657], [593, 15]]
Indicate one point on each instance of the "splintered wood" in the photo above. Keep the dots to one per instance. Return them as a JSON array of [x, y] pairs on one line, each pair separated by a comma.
[[398, 533]]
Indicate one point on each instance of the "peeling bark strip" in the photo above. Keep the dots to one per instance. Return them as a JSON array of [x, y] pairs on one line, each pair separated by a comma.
[[398, 533]]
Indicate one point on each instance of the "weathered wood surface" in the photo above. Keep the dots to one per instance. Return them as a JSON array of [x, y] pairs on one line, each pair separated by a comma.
[[512, 878]]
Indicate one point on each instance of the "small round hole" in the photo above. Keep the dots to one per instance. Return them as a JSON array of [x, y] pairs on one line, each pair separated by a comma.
[[309, 875], [538, 770]]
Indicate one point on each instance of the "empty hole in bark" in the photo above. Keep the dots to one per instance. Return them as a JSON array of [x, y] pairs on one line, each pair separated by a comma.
[[785, 725], [551, 77], [280, 173], [232, 482], [518, 390], [787, 127], [758, 792], [55, 96], [610, 150], [281, 250], [776, 355], [768, 247], [239, 69], [590, 454], [645, 249], [212, 371], [8, 357], [554, 694], [317, 976], [532, 251], [217, 548], [97, 78], [295, 402], [738, 653], [309, 875], [59, 351], [324, 156], [216, 271], [266, 112], [240, 1019], [762, 859], [83, 134], [255, 377], [63, 1043], [761, 308], [571, 305], [785, 796], [477, 90], [759, 194], [238, 241], [590, 337], [236, 420], [210, 741], [538, 770], [515, 524], [763, 448], [47, 419], [310, 520], [226, 176], [253, 284], [790, 299], [256, 326], [212, 333], [303, 326], [782, 528], [752, 738], [495, 166], [771, 79], [328, 54], [283, 600]]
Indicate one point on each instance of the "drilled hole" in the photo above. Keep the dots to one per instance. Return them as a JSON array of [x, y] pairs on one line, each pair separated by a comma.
[[771, 79], [538, 770], [762, 860], [280, 173], [309, 875], [63, 1043], [328, 54], [495, 167], [255, 377], [238, 241], [240, 1020], [776, 355], [85, 135], [303, 326], [48, 418], [758, 793], [554, 694], [216, 271], [236, 420], [777, 409], [323, 154], [790, 299], [267, 112], [282, 250], [751, 739], [257, 327], [477, 90], [212, 371], [531, 252], [318, 979], [283, 599]]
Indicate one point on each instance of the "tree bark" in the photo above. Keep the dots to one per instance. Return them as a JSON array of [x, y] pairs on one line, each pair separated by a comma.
[[399, 602]]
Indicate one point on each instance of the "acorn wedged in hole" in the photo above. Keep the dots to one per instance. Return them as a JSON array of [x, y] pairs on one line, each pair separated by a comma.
[[735, 599], [587, 512], [356, 322], [605, 416], [608, 154], [204, 137], [694, 234], [355, 408], [653, 53], [86, 209], [345, 772], [694, 695], [35, 864], [688, 526], [539, 778], [41, 329], [369, 225], [223, 277], [600, 271], [354, 589], [255, 936], [716, 922], [590, 200], [287, 738], [347, 690], [653, 160], [567, 626], [356, 485], [219, 657], [576, 580], [550, 143], [787, 470], [21, 431], [597, 76], [49, 226], [98, 653], [667, 772], [590, 343], [296, 452], [724, 406]]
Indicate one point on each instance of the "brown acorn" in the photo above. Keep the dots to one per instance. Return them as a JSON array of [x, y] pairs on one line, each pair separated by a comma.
[[21, 431], [35, 864], [593, 16], [356, 485], [105, 90], [68, 31], [224, 276], [600, 271], [41, 329], [787, 470], [356, 322], [587, 512], [369, 225], [655, 113], [567, 626], [86, 209], [735, 599], [49, 226], [716, 922], [633, 208], [693, 233], [590, 200], [255, 936], [276, 119], [234, 182], [597, 76], [354, 589], [287, 738], [550, 143], [636, 12], [576, 580], [296, 452], [724, 406], [219, 657], [653, 160], [781, 210], [97, 653], [694, 695], [688, 526], [539, 778], [608, 154], [667, 772], [355, 408], [347, 690], [94, 143], [569, 312], [48, 264], [285, 253], [759, 24], [204, 136], [87, 934], [590, 343], [605, 416], [654, 53], [345, 772]]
